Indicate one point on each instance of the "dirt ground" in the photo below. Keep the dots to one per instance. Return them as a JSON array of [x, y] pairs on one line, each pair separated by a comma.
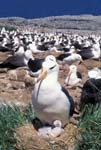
[[16, 87]]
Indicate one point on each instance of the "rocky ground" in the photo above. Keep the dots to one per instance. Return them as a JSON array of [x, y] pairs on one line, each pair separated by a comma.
[[16, 87]]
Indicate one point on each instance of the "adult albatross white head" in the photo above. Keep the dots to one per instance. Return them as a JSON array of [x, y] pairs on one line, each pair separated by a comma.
[[74, 77], [50, 100]]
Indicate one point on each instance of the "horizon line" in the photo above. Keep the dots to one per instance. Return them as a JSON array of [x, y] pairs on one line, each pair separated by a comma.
[[50, 16]]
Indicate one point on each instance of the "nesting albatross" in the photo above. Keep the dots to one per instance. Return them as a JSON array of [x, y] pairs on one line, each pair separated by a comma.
[[70, 58], [17, 60], [51, 102], [74, 76]]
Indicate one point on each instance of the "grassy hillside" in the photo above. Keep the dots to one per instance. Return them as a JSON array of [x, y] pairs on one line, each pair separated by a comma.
[[68, 22]]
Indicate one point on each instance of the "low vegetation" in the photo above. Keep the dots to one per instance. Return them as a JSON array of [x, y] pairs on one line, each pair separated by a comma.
[[10, 118], [9, 28], [89, 136], [89, 128]]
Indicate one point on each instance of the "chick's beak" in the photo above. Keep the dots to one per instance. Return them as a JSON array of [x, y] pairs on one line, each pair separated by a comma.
[[42, 75]]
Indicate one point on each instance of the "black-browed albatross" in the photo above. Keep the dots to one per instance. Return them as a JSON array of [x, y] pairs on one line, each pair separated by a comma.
[[50, 100], [73, 76]]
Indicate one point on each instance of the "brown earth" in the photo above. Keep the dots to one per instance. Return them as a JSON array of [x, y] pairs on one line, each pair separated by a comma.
[[16, 87]]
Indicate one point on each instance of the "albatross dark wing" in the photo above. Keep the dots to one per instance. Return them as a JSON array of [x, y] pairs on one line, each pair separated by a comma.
[[70, 100]]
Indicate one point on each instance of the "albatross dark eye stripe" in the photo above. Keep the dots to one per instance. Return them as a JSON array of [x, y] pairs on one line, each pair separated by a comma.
[[52, 67], [51, 59]]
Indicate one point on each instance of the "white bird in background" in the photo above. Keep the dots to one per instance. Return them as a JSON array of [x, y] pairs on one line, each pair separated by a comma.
[[19, 59], [70, 58], [50, 100], [73, 77], [94, 73], [33, 47]]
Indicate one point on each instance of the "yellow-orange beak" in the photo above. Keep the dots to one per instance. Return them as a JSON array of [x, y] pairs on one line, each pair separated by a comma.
[[42, 75], [69, 72]]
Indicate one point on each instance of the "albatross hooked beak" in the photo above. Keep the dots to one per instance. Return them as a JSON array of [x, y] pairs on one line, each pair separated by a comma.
[[69, 73], [42, 75]]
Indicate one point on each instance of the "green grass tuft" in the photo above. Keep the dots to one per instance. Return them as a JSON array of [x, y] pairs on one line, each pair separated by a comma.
[[10, 118], [89, 136]]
